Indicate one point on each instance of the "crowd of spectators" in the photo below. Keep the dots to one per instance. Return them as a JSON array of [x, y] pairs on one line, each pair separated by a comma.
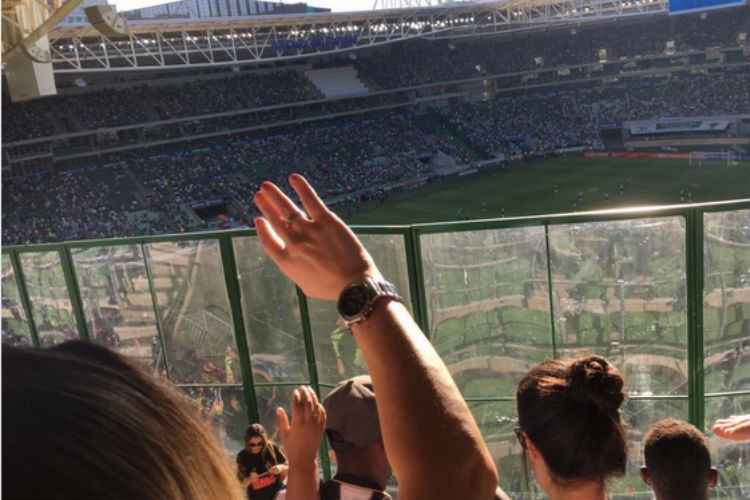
[[129, 105], [559, 118], [426, 61], [156, 188]]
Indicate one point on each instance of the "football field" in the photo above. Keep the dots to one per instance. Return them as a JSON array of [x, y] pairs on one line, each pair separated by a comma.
[[561, 185]]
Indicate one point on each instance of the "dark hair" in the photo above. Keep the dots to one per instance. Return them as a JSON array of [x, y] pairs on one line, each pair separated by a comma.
[[81, 421], [678, 460], [570, 412], [257, 430]]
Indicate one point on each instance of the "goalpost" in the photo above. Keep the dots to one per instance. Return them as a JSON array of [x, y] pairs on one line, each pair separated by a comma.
[[725, 158]]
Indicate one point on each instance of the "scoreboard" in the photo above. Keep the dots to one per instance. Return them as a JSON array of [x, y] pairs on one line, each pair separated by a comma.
[[684, 6]]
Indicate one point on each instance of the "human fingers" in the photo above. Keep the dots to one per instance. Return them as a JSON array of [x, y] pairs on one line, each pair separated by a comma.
[[304, 405], [271, 242], [320, 416], [279, 201], [314, 206], [269, 210], [312, 399], [282, 423], [297, 407]]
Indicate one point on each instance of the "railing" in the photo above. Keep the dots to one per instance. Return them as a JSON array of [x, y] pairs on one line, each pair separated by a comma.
[[664, 292]]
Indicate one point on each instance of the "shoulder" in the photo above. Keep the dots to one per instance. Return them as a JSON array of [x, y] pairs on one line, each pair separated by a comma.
[[242, 455]]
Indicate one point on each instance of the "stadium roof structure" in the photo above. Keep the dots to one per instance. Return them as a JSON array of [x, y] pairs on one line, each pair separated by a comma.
[[162, 44]]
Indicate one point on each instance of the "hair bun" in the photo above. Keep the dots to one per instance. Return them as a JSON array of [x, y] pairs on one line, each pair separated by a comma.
[[593, 380]]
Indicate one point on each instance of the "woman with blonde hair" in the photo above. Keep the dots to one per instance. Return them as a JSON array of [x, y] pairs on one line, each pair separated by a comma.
[[82, 422]]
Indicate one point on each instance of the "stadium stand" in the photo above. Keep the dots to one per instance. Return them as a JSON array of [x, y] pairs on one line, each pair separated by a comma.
[[337, 82]]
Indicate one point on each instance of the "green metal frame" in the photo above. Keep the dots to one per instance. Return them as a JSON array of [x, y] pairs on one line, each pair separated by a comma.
[[694, 268], [312, 368], [235, 303], [152, 292], [694, 253], [74, 293], [23, 293]]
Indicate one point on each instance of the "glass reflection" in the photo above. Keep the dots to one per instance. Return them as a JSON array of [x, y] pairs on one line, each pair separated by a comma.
[[638, 415], [488, 305], [731, 459], [497, 421], [336, 353], [117, 302], [271, 313], [269, 398], [726, 301], [48, 294], [15, 325], [224, 409], [194, 312], [620, 291]]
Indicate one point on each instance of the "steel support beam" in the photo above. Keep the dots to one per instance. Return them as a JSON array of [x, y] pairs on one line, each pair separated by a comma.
[[200, 43]]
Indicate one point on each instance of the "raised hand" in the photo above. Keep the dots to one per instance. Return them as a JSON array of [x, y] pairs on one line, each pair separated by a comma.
[[736, 428], [301, 438], [313, 248]]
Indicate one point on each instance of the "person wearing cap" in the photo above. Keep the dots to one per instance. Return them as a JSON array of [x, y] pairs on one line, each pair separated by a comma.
[[353, 431], [350, 418], [429, 434]]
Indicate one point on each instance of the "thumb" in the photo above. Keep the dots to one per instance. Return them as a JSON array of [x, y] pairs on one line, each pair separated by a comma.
[[282, 423]]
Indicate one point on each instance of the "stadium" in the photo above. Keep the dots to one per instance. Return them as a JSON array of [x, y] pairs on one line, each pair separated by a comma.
[[539, 179]]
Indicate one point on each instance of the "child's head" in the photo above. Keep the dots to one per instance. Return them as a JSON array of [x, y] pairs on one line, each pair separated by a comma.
[[678, 464]]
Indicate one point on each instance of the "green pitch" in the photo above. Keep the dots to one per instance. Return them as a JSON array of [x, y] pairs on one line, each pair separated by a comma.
[[554, 185]]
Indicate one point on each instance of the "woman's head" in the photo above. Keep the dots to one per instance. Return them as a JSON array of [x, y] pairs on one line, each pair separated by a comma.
[[569, 417], [80, 421], [256, 438]]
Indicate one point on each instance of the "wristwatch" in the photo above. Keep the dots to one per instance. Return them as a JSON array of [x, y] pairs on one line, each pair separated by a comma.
[[358, 299]]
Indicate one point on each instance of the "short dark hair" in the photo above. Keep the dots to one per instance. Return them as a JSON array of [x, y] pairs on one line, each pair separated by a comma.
[[678, 460], [81, 421], [570, 412]]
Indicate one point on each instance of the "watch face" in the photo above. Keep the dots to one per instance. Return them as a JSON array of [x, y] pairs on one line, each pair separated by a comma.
[[353, 300]]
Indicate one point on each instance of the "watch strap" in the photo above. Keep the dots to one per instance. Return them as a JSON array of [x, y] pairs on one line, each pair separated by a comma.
[[382, 289]]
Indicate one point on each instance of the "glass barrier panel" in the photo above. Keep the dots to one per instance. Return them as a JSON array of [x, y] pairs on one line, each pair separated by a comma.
[[620, 291], [726, 301], [15, 324], [193, 309], [224, 409], [488, 305], [336, 353], [638, 416], [48, 294], [731, 459], [497, 421], [272, 318], [269, 398], [117, 302]]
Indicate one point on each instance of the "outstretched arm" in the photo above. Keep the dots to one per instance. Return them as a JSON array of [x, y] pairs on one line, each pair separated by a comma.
[[734, 428], [428, 430], [301, 440]]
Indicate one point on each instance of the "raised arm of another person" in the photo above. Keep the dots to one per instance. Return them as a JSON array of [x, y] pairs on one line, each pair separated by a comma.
[[736, 428], [430, 436], [301, 439]]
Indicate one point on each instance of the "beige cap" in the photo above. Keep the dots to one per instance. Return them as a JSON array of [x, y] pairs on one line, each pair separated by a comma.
[[352, 415]]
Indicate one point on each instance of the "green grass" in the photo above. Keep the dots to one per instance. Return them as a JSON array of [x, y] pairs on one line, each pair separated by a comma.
[[529, 188]]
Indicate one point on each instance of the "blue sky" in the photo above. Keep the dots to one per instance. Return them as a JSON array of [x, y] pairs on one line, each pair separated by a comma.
[[336, 5]]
